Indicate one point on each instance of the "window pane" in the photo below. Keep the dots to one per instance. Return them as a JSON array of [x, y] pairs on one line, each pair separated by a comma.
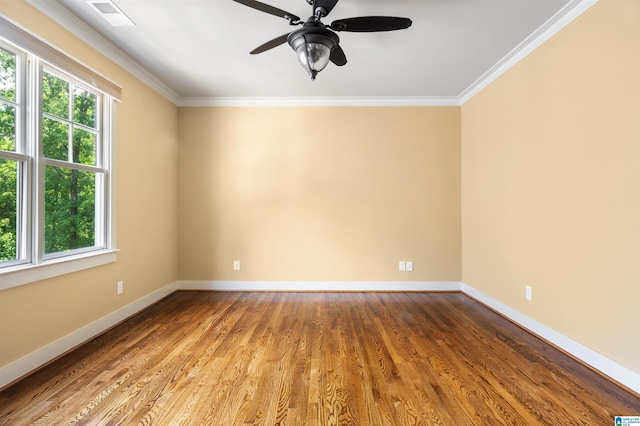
[[55, 139], [7, 75], [8, 210], [7, 127], [55, 95], [84, 108], [84, 147], [69, 209]]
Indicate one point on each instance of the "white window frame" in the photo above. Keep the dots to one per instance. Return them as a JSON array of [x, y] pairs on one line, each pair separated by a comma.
[[33, 56]]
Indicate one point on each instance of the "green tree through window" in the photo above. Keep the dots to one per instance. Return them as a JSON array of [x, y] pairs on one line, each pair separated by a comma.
[[8, 167]]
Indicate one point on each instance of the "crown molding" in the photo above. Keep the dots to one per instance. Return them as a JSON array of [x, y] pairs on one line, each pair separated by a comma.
[[76, 26], [556, 23], [320, 101]]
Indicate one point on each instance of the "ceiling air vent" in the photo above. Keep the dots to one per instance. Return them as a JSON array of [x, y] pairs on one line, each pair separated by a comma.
[[112, 13]]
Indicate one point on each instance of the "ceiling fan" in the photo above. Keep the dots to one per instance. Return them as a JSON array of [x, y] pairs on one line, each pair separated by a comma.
[[316, 43]]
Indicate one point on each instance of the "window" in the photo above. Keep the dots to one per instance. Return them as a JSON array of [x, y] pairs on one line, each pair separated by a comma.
[[55, 161], [73, 176]]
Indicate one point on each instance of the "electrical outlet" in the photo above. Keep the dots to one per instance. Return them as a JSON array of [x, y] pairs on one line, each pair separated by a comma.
[[120, 287], [236, 265], [402, 266], [528, 292], [409, 266]]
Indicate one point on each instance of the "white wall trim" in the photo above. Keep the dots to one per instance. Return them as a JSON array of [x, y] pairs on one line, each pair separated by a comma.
[[557, 22], [309, 286], [29, 273], [322, 102], [22, 366], [610, 368]]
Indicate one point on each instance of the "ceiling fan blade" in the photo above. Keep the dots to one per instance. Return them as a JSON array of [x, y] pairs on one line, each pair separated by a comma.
[[327, 5], [367, 24], [269, 9], [270, 44], [337, 56]]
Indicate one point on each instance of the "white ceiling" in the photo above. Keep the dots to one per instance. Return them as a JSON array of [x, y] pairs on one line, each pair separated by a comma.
[[197, 51]]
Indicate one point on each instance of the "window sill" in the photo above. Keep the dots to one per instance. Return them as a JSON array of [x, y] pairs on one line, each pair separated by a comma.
[[25, 274]]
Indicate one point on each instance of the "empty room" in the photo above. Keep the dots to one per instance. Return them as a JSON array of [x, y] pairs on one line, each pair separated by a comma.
[[392, 213]]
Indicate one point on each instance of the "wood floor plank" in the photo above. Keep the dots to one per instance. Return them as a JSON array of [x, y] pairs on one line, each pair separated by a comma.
[[208, 358]]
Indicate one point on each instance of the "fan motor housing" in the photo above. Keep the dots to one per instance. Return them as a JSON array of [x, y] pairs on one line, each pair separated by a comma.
[[313, 32]]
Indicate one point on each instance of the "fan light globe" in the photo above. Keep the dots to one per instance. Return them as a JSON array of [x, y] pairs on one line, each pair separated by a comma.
[[313, 44], [313, 57]]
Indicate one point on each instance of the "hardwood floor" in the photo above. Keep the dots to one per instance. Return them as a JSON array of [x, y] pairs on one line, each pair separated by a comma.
[[209, 358]]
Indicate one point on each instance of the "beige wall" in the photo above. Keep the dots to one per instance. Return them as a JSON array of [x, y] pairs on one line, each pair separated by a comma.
[[550, 183], [36, 314], [319, 194]]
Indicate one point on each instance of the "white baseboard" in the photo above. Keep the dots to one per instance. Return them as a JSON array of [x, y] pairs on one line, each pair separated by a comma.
[[20, 367], [32, 361], [301, 286], [610, 368]]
